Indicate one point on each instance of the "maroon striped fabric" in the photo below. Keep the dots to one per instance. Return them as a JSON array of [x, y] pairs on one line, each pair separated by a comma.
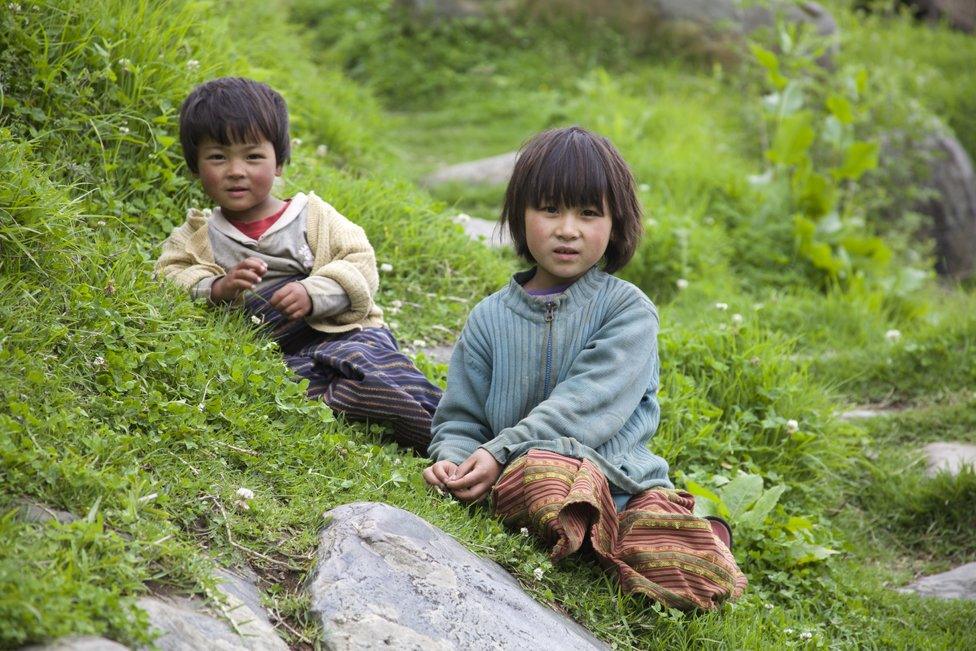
[[657, 546]]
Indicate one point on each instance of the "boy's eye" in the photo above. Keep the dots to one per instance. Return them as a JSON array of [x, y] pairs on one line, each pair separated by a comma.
[[550, 209], [592, 212]]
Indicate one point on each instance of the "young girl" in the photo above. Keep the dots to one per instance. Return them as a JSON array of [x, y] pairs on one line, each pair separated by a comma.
[[551, 390]]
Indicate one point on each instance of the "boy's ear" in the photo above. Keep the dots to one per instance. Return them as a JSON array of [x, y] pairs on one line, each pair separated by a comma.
[[278, 170]]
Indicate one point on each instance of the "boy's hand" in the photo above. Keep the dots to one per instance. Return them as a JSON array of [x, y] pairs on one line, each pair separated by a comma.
[[438, 473], [292, 300], [475, 477], [245, 275]]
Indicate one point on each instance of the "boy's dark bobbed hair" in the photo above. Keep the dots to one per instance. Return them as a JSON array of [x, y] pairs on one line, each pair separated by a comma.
[[233, 110], [573, 167]]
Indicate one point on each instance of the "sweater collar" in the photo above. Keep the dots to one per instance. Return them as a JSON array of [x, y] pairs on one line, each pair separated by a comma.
[[570, 300], [291, 213]]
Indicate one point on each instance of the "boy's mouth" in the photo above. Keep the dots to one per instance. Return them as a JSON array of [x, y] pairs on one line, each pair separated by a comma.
[[564, 250]]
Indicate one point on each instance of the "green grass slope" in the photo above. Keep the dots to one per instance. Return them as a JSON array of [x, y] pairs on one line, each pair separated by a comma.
[[143, 414]]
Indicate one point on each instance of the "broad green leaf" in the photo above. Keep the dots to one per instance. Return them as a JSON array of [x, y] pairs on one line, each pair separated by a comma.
[[861, 157], [793, 139], [740, 493], [815, 194], [755, 516], [840, 108], [710, 504]]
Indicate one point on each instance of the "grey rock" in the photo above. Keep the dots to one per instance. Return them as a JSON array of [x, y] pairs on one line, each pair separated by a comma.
[[952, 206], [960, 14], [949, 457], [861, 413], [494, 170], [386, 578], [958, 583], [38, 513], [440, 354], [486, 231], [79, 643], [189, 624]]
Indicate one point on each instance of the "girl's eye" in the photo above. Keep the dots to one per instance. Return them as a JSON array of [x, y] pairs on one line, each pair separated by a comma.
[[550, 209]]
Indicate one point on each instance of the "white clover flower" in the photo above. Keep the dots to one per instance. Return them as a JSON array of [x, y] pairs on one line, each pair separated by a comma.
[[768, 606], [788, 631], [192, 64], [386, 267], [124, 129], [397, 462], [806, 635], [722, 306], [792, 426], [100, 222], [13, 6], [99, 362], [538, 573], [461, 218], [200, 406], [322, 151], [524, 531], [245, 493], [256, 320], [419, 343], [737, 319], [296, 142], [893, 335], [125, 63], [681, 283]]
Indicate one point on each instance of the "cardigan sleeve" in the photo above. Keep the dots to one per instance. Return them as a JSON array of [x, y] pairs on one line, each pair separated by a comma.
[[460, 424], [184, 260], [605, 384], [348, 261]]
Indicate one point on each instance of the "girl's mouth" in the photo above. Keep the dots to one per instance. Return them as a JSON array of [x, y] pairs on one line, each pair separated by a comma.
[[563, 253]]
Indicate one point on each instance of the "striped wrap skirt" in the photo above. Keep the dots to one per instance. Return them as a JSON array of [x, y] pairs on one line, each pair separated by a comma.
[[361, 374], [656, 546]]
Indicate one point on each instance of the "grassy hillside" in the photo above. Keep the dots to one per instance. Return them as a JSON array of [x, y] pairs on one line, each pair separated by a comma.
[[127, 405]]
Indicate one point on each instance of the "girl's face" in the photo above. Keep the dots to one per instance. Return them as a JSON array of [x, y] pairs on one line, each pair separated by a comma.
[[565, 242], [239, 177]]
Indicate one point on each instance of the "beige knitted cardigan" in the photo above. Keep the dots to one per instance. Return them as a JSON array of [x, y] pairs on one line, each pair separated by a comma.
[[342, 252]]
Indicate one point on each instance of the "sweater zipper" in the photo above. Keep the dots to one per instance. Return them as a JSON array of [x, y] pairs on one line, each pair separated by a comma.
[[550, 316]]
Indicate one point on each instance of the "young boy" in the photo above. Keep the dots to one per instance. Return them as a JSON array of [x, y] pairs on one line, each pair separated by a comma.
[[296, 265]]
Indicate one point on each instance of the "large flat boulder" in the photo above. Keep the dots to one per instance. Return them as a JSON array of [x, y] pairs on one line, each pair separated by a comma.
[[79, 643], [494, 170], [949, 456], [958, 583], [385, 578]]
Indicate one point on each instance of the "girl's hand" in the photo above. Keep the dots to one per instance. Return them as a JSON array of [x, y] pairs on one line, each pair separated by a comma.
[[438, 473], [292, 300], [245, 275], [475, 477]]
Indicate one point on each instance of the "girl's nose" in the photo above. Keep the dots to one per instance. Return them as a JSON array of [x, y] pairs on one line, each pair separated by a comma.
[[566, 227]]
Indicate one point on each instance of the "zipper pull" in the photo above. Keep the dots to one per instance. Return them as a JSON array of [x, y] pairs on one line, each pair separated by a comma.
[[550, 311]]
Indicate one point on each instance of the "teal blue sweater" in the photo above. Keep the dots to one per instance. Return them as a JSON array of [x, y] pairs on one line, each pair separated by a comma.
[[575, 373]]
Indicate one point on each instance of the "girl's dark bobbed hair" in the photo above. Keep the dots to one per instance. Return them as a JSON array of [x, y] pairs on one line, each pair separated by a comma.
[[574, 167]]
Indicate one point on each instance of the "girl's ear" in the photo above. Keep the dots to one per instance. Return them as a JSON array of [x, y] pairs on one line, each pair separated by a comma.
[[278, 170]]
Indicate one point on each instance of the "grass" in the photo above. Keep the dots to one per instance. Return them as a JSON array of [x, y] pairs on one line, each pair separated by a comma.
[[128, 405]]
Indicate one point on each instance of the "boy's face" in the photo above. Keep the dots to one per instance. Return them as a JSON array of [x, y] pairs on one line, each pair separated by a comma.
[[565, 242], [238, 177]]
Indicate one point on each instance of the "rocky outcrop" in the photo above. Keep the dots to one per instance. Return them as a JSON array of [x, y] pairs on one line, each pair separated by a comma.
[[950, 457], [387, 579], [951, 206], [79, 643], [494, 170], [958, 583]]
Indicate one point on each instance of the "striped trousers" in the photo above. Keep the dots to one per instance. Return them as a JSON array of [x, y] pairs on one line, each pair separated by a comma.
[[361, 374], [656, 546]]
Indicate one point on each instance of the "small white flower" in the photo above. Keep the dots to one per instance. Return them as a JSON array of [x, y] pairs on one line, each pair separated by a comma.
[[681, 283], [13, 6], [768, 606], [100, 222], [99, 362], [322, 151], [397, 462], [461, 218], [419, 343], [792, 426], [192, 64], [200, 406], [737, 319], [893, 335], [256, 320], [396, 303], [722, 306], [125, 63], [245, 493], [524, 531], [296, 142], [386, 267], [806, 635], [788, 631], [123, 129], [644, 187], [538, 573]]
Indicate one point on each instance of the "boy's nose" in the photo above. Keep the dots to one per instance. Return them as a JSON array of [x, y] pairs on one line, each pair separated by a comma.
[[566, 227]]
